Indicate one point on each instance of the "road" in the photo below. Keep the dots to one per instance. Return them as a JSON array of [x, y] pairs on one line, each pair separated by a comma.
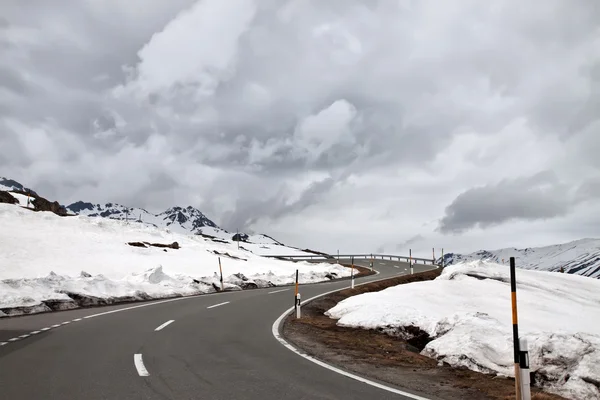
[[217, 346]]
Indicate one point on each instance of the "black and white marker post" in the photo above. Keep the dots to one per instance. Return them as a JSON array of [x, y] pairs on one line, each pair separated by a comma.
[[221, 272], [410, 260], [371, 263], [352, 284]]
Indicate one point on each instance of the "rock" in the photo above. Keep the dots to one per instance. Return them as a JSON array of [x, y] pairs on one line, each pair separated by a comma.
[[6, 197]]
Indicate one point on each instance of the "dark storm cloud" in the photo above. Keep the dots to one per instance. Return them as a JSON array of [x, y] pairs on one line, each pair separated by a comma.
[[540, 196]]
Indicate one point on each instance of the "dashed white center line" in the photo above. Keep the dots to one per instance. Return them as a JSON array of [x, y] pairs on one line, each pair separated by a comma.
[[55, 326], [217, 305], [24, 336], [35, 332], [395, 266], [164, 325], [45, 329], [66, 323], [77, 320], [13, 339], [3, 343], [139, 365], [278, 291]]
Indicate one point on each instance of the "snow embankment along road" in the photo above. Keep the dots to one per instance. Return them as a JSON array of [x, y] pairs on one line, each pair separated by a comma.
[[49, 262], [467, 314]]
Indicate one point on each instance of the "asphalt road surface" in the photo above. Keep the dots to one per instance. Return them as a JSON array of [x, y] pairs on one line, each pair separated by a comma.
[[217, 346]]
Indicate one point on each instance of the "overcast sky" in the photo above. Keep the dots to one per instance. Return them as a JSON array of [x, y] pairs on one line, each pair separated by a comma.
[[352, 124]]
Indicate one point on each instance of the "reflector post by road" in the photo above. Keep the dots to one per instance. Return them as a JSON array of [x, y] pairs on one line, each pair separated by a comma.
[[442, 257], [410, 260], [298, 306], [296, 293], [221, 272], [433, 253], [352, 272], [515, 324], [372, 262]]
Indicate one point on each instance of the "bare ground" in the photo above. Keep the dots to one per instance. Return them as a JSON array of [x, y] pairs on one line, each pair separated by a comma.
[[388, 359]]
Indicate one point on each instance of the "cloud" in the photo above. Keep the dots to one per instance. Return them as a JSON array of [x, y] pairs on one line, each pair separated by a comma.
[[280, 115], [536, 197], [408, 242]]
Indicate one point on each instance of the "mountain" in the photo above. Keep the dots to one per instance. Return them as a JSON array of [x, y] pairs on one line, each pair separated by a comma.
[[580, 257], [8, 185], [177, 219]]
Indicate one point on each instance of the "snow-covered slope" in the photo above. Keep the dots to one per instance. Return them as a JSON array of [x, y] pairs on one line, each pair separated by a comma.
[[580, 257], [467, 313], [44, 257]]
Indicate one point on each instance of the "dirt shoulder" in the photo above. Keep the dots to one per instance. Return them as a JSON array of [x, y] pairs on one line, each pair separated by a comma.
[[384, 358]]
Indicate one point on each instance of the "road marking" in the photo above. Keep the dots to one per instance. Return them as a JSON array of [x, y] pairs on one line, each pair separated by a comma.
[[3, 343], [77, 319], [35, 332], [55, 326], [395, 266], [13, 339], [217, 305], [164, 325], [24, 336], [140, 306], [279, 337], [66, 323], [139, 365], [381, 263], [277, 291], [45, 329]]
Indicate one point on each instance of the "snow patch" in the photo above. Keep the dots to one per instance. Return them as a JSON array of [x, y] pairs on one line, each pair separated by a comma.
[[466, 313]]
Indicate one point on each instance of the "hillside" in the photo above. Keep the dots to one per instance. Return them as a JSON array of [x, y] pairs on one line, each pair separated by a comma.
[[50, 262], [580, 257]]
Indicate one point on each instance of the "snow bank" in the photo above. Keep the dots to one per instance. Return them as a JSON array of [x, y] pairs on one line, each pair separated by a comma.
[[467, 313], [42, 257]]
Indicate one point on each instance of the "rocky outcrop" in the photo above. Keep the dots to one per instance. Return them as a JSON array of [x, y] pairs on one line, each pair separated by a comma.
[[5, 197]]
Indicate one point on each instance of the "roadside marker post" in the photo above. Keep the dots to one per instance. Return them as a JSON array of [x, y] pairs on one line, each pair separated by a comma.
[[221, 271], [296, 294], [524, 366], [352, 284], [410, 260], [433, 253], [515, 323], [298, 306], [442, 257], [371, 261]]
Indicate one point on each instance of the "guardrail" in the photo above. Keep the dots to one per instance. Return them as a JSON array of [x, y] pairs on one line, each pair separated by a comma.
[[426, 261]]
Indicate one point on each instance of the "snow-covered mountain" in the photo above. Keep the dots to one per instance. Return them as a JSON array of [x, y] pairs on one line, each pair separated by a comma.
[[188, 220], [177, 219], [8, 185], [580, 257]]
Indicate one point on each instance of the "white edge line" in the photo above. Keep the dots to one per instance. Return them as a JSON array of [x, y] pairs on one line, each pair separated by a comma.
[[275, 331], [277, 291], [139, 306], [164, 325], [217, 305], [139, 365]]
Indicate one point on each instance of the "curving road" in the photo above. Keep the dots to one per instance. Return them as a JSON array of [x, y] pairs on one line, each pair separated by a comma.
[[217, 346]]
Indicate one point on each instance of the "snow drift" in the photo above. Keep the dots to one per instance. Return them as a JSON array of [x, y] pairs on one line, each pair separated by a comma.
[[49, 262], [467, 314]]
